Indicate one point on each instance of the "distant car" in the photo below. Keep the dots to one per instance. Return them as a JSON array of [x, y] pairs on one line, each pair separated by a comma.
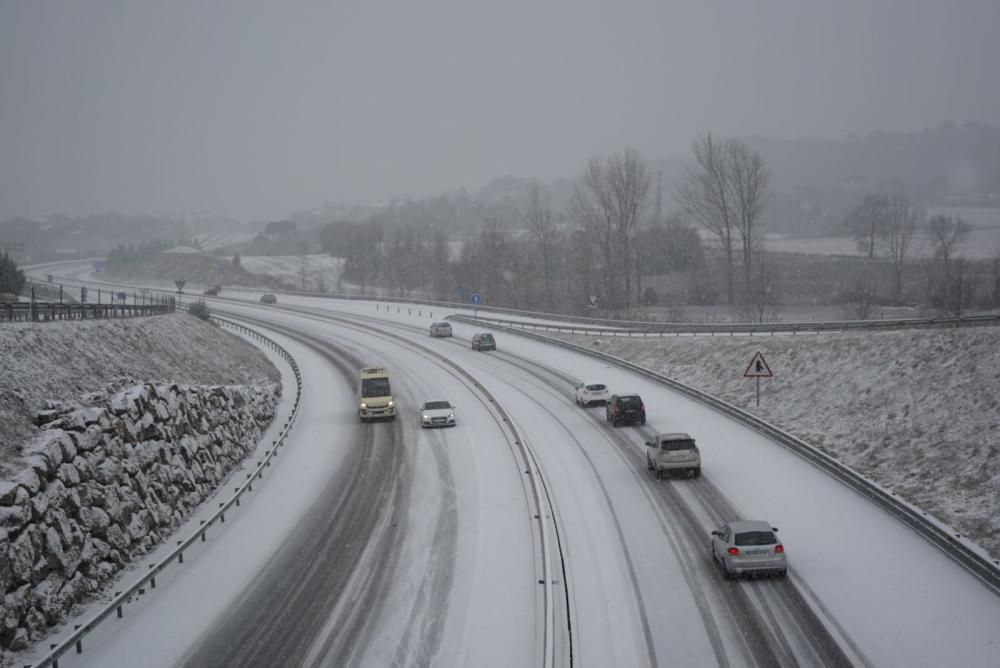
[[441, 329], [749, 547], [591, 392], [483, 341], [212, 291], [268, 299], [673, 452], [437, 414], [625, 409]]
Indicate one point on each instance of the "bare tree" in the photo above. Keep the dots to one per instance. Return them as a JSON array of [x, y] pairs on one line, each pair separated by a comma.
[[761, 296], [962, 287], [440, 266], [946, 234], [748, 182], [726, 193], [895, 237], [538, 218], [861, 294], [866, 220], [629, 186], [608, 199], [591, 205], [704, 196]]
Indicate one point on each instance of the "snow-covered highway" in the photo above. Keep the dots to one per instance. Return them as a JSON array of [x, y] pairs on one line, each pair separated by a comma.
[[386, 544]]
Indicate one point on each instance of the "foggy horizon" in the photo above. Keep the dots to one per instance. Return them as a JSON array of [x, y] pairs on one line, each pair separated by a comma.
[[256, 110]]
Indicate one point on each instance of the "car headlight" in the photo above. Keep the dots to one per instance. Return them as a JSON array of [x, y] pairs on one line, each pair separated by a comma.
[[364, 405], [451, 416], [390, 404], [427, 417]]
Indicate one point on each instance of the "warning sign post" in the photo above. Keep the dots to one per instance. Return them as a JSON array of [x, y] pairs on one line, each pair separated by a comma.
[[758, 369]]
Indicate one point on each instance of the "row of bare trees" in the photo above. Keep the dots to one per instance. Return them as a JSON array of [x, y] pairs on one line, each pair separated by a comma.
[[596, 252], [884, 225]]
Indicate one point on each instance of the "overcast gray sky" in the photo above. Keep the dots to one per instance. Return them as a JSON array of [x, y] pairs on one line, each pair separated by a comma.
[[255, 109]]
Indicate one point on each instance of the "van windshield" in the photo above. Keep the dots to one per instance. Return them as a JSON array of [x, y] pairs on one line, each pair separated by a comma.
[[375, 387]]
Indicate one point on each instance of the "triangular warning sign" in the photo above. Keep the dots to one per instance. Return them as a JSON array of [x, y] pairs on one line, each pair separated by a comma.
[[758, 368]]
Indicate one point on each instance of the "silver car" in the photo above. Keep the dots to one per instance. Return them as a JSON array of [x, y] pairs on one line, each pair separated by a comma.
[[673, 452], [441, 329], [437, 414], [749, 547]]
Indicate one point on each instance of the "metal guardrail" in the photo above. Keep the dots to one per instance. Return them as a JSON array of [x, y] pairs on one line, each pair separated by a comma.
[[643, 329], [49, 311], [966, 554], [177, 554]]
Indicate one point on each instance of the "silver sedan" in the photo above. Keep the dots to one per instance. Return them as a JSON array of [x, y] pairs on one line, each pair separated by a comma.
[[748, 547]]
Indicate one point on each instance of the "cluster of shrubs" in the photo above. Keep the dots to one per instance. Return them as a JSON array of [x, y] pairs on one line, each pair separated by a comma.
[[199, 309]]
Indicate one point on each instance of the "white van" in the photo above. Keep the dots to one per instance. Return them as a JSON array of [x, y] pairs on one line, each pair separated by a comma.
[[375, 398]]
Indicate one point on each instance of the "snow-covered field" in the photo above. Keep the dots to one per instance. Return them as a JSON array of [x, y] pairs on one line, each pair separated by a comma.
[[306, 272], [211, 241], [917, 411], [982, 241]]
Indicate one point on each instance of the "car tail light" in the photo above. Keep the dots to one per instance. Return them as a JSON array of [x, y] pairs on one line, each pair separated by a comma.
[[779, 549], [735, 551]]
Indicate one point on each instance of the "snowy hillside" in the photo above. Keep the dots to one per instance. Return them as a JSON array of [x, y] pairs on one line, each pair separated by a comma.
[[918, 411], [61, 361]]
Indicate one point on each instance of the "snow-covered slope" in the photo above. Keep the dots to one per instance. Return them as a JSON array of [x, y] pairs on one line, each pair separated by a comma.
[[61, 361]]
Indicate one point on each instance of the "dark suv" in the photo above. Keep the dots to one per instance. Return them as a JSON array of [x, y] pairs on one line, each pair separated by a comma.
[[483, 342], [625, 409]]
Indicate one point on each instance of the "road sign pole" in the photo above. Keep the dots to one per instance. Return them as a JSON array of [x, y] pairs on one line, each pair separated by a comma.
[[758, 391]]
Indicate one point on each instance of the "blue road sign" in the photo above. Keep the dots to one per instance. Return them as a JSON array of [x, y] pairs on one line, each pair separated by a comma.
[[474, 298]]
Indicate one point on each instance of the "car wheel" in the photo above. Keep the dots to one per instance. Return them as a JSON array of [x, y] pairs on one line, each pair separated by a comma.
[[783, 573], [649, 463], [642, 420], [729, 575], [659, 473], [696, 473]]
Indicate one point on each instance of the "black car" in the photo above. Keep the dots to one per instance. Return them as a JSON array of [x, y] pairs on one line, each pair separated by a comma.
[[483, 341], [625, 409]]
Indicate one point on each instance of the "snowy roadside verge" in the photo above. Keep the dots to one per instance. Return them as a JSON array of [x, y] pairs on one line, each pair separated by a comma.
[[915, 411]]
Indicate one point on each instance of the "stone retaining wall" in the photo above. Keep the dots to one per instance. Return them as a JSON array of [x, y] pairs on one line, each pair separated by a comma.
[[106, 482]]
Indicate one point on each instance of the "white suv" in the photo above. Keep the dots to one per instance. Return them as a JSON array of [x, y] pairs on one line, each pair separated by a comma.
[[591, 392], [673, 452]]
